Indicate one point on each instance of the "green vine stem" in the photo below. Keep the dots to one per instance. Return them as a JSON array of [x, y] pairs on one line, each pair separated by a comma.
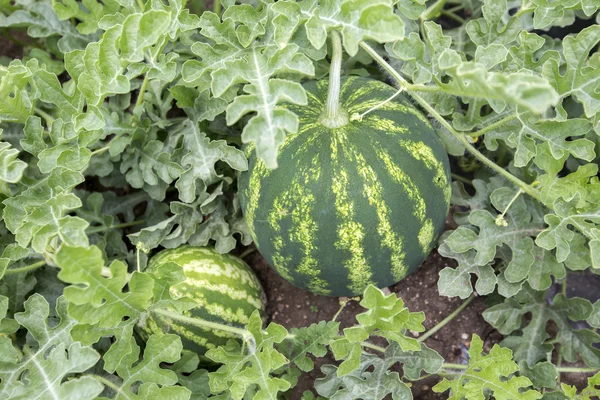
[[202, 323], [118, 226], [334, 116], [561, 370], [217, 7], [141, 5], [461, 137], [433, 10], [247, 252], [26, 268], [446, 320], [107, 383]]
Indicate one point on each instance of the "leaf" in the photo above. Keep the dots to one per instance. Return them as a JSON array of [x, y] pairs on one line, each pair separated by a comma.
[[146, 164], [147, 372], [201, 155], [588, 393], [70, 149], [190, 224], [594, 318], [457, 281], [11, 168], [387, 317], [492, 28], [17, 102], [531, 345], [66, 9], [488, 372], [52, 363], [547, 143], [356, 20], [413, 362], [577, 78], [39, 213], [312, 339], [542, 375], [363, 383], [99, 303], [250, 370], [547, 13], [42, 22], [189, 376], [268, 128]]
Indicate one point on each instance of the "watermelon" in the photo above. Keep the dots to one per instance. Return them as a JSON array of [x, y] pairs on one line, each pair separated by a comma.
[[225, 288], [349, 206]]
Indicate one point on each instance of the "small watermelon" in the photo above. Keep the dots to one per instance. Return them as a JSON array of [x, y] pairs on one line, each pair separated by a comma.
[[225, 288], [353, 205]]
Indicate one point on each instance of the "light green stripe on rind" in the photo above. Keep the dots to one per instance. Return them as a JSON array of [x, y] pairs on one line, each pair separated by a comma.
[[373, 190], [304, 229], [422, 152], [350, 232], [280, 210], [427, 231]]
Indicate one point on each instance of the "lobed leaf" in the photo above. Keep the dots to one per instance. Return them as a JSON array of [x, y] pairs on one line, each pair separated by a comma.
[[52, 363], [488, 372]]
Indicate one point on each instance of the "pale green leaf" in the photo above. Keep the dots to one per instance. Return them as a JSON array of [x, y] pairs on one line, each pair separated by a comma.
[[488, 372], [372, 380], [52, 362], [530, 341], [249, 372]]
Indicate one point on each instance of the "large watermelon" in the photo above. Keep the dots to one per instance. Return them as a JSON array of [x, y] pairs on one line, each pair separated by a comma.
[[226, 289], [349, 206]]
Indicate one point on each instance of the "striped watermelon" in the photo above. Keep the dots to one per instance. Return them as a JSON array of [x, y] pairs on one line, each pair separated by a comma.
[[226, 289], [349, 206]]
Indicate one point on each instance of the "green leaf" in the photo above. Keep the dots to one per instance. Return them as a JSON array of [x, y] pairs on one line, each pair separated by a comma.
[[66, 9], [356, 20], [312, 339], [268, 128], [371, 380], [588, 393], [39, 213], [148, 373], [594, 318], [413, 362], [197, 223], [542, 375], [201, 155], [387, 317], [189, 376], [17, 102], [42, 22], [531, 345], [492, 28], [488, 372], [457, 281], [548, 143], [11, 168], [52, 363], [577, 77], [248, 370]]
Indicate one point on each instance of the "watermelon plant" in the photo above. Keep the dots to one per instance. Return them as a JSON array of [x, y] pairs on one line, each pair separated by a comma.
[[328, 132]]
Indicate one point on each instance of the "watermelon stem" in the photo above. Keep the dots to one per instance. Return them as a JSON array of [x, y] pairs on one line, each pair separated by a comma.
[[445, 321], [202, 323], [529, 189], [334, 116], [359, 117]]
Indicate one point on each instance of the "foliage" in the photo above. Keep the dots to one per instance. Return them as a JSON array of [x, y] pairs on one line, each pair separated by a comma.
[[121, 132]]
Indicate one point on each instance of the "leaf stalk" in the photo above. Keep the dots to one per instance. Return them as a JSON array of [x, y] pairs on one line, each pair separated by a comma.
[[334, 116], [445, 321]]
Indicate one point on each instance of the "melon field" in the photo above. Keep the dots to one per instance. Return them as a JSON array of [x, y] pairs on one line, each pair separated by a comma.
[[300, 199]]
